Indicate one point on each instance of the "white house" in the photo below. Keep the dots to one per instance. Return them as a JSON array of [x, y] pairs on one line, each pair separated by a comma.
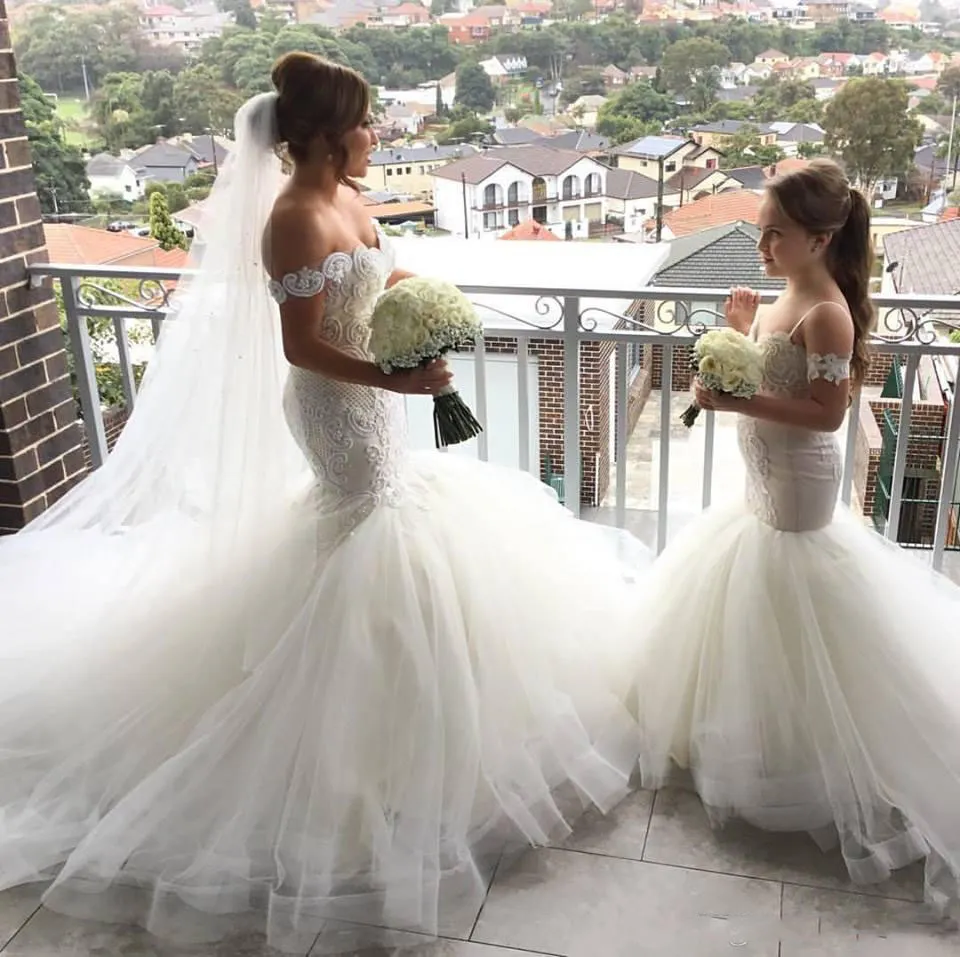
[[485, 195], [111, 176], [503, 67]]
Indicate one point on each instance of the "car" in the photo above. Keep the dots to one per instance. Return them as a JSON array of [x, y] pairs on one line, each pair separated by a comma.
[[119, 226]]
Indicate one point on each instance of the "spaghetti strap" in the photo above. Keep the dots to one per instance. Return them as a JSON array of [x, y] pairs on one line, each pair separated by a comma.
[[826, 302]]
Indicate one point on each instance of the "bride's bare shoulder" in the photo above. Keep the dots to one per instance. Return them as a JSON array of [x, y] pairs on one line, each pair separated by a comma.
[[296, 234]]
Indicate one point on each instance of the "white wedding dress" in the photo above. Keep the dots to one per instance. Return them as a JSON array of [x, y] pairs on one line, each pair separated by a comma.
[[803, 668], [337, 722]]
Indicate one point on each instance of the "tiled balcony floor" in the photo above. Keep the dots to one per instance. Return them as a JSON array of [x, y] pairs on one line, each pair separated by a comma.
[[650, 880]]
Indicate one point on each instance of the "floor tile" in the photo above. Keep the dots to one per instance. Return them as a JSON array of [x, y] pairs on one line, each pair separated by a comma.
[[16, 906], [823, 923], [680, 834], [584, 905]]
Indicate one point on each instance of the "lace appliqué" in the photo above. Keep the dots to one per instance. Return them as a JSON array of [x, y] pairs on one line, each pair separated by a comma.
[[352, 435], [784, 367], [831, 368], [305, 283], [756, 454]]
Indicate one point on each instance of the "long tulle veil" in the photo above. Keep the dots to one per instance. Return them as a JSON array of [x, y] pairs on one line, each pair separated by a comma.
[[207, 440]]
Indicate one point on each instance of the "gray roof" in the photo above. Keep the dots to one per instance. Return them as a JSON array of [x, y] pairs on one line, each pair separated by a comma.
[[103, 164], [514, 136], [580, 141], [689, 177], [420, 154], [731, 127], [626, 184], [928, 258], [749, 177], [203, 146], [166, 155], [535, 160], [718, 257], [653, 147]]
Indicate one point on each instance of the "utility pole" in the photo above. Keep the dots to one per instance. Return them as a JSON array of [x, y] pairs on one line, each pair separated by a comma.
[[659, 198], [466, 219], [951, 162]]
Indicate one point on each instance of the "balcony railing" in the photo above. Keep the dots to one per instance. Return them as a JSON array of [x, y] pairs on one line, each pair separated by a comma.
[[575, 320]]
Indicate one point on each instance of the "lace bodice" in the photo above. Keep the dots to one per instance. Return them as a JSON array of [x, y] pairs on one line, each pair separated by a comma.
[[352, 435], [793, 474]]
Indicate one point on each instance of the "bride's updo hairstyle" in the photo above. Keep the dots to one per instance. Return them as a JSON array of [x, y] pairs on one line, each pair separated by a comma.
[[318, 101], [820, 200]]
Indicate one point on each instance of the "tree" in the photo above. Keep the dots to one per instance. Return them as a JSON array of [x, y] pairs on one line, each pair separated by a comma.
[[745, 149], [690, 69], [634, 111], [464, 126], [791, 100], [61, 176], [474, 89], [162, 228], [868, 125], [204, 101], [949, 83]]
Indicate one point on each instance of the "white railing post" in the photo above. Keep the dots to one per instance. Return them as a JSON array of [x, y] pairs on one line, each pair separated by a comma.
[[903, 443], [571, 403], [85, 371], [948, 479]]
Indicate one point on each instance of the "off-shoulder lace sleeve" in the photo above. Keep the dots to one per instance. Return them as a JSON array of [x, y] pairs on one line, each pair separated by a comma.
[[832, 368], [305, 283]]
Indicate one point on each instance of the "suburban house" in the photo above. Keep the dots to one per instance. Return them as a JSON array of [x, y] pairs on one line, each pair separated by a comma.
[[632, 199], [503, 68], [693, 183], [649, 153], [112, 176], [722, 133], [790, 137], [410, 169], [166, 162], [720, 209], [483, 195]]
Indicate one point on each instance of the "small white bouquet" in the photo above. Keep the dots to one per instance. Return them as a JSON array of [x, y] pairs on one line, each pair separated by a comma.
[[725, 360], [416, 321]]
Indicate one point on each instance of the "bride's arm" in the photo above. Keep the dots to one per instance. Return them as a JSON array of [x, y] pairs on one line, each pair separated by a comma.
[[397, 275], [829, 344], [295, 243]]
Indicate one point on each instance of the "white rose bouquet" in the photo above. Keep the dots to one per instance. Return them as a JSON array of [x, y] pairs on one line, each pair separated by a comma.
[[417, 321], [725, 361]]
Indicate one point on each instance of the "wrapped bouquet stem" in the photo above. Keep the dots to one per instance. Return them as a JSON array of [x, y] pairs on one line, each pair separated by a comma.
[[725, 360], [417, 321]]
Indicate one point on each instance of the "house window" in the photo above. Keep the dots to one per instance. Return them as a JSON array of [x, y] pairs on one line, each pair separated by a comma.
[[670, 167], [389, 171], [422, 171], [513, 217], [409, 170], [490, 221], [711, 164]]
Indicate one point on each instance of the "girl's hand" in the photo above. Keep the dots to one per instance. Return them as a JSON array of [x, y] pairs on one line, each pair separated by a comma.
[[740, 308], [432, 379]]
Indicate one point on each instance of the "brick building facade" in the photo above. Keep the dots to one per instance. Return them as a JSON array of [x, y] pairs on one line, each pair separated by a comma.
[[40, 441]]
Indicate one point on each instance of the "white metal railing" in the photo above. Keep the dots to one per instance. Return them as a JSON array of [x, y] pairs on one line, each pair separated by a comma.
[[910, 327]]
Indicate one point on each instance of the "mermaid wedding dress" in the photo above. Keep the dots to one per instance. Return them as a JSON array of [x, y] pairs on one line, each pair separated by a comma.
[[803, 668], [327, 693]]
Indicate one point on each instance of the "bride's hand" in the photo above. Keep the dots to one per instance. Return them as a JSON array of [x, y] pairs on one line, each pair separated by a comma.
[[740, 308], [707, 399], [432, 379]]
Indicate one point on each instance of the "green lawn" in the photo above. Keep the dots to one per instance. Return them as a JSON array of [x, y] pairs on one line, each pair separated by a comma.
[[76, 119]]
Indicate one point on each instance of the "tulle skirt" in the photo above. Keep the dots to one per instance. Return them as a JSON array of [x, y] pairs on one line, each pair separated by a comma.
[[324, 732], [809, 683]]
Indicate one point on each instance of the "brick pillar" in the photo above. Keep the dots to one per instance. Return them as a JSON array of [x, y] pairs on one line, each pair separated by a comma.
[[40, 439]]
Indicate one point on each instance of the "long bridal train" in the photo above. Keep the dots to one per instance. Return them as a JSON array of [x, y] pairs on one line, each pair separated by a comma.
[[291, 670]]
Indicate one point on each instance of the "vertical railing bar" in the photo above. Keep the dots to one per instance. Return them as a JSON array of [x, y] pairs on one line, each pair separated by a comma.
[[850, 446], [85, 371], [948, 478], [621, 410], [126, 367], [903, 442], [709, 435], [480, 370], [523, 402], [571, 403], [666, 409]]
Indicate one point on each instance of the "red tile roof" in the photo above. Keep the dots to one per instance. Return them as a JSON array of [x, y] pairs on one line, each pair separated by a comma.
[[531, 229], [81, 245], [739, 205]]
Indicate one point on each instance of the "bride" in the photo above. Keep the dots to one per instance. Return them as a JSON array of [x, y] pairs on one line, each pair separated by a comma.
[[292, 668], [801, 667]]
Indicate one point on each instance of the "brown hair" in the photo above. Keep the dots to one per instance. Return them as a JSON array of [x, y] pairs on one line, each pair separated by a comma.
[[820, 200], [317, 98]]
